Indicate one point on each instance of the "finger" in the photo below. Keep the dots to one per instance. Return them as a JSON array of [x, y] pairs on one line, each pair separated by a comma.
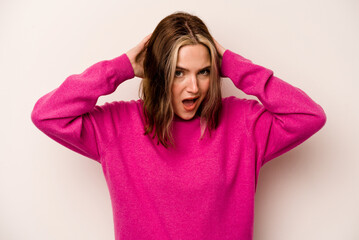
[[147, 38]]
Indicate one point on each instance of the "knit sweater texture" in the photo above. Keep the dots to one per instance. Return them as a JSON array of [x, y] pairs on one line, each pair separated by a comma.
[[202, 188]]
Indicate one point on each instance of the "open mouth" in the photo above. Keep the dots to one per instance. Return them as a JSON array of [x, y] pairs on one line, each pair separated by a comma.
[[190, 103]]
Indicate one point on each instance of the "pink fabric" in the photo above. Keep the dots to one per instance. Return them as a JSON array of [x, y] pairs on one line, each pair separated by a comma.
[[201, 189]]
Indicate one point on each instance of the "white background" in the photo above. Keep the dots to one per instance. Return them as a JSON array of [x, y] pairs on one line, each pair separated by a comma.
[[50, 192]]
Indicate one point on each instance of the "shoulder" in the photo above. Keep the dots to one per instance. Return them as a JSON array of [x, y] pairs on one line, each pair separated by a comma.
[[120, 105], [240, 113], [244, 104], [243, 109], [119, 108]]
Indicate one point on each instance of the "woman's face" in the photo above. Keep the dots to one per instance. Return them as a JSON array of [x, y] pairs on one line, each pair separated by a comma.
[[191, 80]]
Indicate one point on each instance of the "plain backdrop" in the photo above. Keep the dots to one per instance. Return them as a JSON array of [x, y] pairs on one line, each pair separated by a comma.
[[50, 192]]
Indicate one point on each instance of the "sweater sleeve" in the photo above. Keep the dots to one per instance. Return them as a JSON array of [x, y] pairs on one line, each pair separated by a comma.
[[69, 114], [286, 116]]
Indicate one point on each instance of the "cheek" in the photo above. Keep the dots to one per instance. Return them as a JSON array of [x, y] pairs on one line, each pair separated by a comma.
[[175, 92], [205, 86]]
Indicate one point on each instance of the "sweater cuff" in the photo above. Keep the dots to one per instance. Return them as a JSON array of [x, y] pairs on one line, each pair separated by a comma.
[[124, 67]]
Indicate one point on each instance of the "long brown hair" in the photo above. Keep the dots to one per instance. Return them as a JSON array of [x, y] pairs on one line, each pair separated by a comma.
[[160, 59]]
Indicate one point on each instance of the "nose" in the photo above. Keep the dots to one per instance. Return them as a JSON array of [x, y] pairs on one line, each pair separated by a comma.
[[192, 85]]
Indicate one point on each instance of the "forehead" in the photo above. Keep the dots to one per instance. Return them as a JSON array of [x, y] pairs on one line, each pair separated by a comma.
[[193, 56]]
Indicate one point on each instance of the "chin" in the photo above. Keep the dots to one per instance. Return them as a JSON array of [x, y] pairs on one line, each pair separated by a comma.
[[187, 116]]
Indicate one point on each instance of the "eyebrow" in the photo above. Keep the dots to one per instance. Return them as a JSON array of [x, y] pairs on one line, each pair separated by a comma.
[[181, 68]]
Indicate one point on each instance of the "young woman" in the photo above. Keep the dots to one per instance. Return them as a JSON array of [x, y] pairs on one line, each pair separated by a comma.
[[181, 162]]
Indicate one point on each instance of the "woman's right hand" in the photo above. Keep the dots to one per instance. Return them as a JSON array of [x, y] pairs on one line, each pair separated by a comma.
[[131, 54]]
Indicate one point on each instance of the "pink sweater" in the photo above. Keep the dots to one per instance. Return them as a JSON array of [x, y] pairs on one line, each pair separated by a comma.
[[201, 189]]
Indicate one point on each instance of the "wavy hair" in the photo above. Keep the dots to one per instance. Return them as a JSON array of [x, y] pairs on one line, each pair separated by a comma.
[[160, 58]]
